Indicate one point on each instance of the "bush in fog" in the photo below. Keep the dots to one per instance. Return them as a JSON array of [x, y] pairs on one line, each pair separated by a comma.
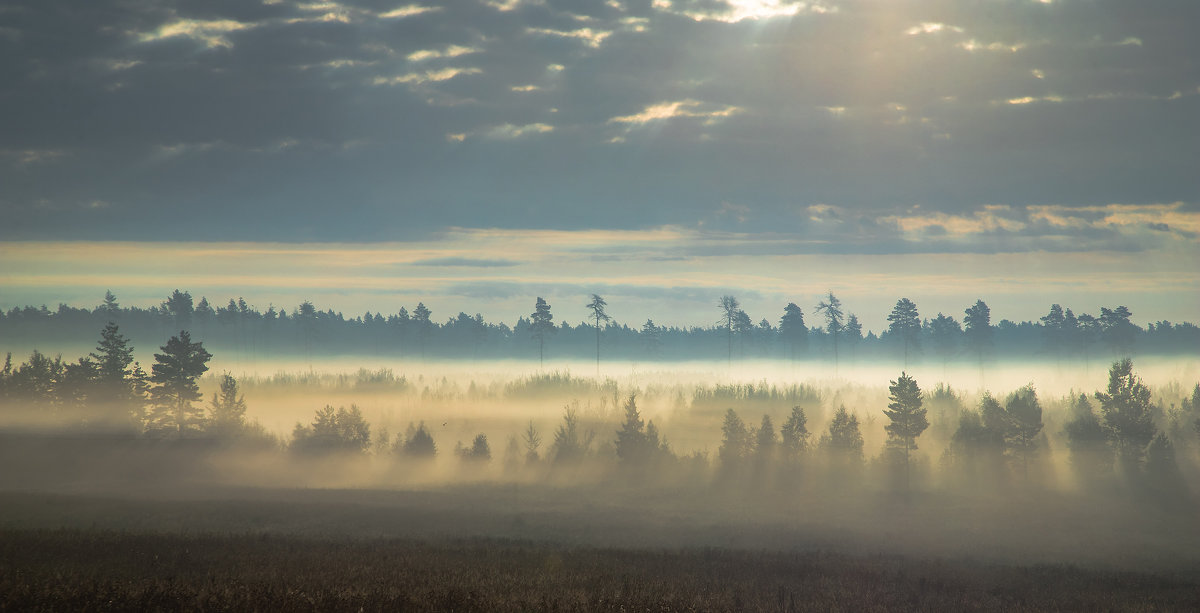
[[1191, 408], [1024, 423], [533, 441], [944, 406], [638, 445], [968, 447], [1087, 442], [513, 457], [842, 444], [844, 436], [794, 436], [416, 443], [479, 451], [571, 443], [735, 445], [766, 442], [1162, 469], [33, 383], [339, 430]]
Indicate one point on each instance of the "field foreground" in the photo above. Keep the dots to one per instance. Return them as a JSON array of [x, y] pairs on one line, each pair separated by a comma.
[[73, 570], [442, 550]]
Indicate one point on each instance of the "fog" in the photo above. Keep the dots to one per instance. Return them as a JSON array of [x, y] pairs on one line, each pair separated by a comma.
[[1044, 506]]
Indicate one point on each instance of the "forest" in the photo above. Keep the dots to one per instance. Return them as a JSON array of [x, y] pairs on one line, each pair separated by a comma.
[[827, 331]]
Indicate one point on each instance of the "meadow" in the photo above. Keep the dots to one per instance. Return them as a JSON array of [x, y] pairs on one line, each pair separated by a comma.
[[472, 550]]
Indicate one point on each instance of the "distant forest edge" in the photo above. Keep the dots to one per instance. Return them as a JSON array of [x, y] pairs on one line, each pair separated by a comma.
[[825, 331]]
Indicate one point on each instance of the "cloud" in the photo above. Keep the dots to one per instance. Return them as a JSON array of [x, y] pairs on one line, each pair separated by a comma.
[[467, 262], [825, 122], [670, 110]]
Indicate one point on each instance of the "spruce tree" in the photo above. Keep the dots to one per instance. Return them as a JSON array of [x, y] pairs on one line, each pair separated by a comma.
[[227, 411], [631, 443], [114, 392]]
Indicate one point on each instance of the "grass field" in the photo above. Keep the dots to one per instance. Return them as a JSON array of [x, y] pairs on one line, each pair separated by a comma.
[[100, 570], [537, 549]]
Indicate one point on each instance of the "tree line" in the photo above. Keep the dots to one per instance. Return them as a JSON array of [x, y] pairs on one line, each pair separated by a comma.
[[828, 332], [1116, 435]]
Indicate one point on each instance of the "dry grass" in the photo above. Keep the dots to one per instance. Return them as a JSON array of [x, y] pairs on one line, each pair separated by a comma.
[[97, 570]]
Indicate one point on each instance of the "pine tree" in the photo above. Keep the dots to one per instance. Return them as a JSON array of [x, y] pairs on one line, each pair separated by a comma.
[[729, 315], [541, 326], [844, 439], [735, 444], [968, 446], [1052, 330], [652, 338], [978, 329], [906, 325], [1128, 417], [1087, 441], [907, 417], [424, 325], [794, 434], [792, 328], [1162, 469], [832, 309], [765, 448], [743, 328], [598, 315], [1117, 330], [179, 305], [945, 332], [174, 376], [1024, 413]]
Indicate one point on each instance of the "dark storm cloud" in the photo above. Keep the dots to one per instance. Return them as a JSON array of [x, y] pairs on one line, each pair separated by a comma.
[[378, 120]]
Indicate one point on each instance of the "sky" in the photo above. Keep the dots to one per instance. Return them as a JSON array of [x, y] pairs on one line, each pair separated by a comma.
[[474, 154]]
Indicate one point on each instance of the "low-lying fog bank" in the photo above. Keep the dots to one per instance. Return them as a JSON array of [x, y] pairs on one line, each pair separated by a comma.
[[1022, 463]]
